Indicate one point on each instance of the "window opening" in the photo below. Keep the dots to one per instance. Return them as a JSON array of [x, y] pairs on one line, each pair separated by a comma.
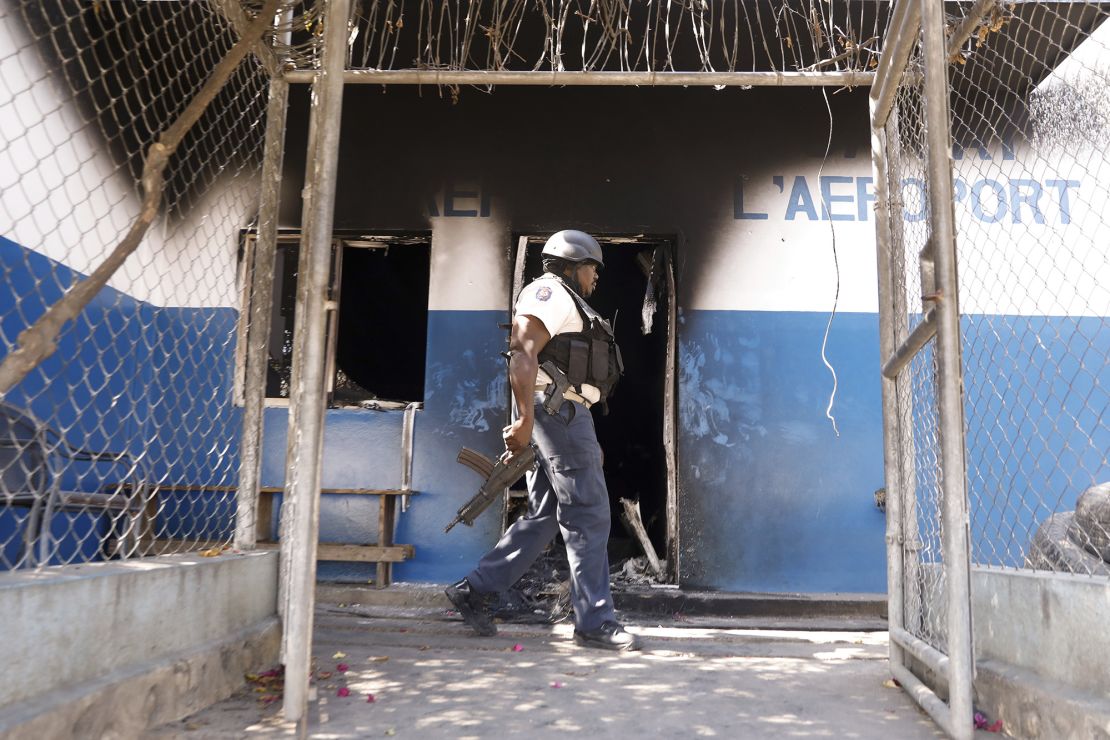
[[377, 326]]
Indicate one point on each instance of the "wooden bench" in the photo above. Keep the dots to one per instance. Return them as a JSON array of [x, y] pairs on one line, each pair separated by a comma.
[[384, 554]]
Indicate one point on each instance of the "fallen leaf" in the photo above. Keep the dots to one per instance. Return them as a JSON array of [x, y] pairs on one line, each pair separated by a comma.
[[323, 675], [369, 698], [342, 667], [517, 648], [890, 683], [391, 731], [211, 552], [343, 691], [377, 658], [996, 727], [339, 655]]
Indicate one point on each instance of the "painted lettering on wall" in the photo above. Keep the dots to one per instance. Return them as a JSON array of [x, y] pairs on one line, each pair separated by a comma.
[[851, 198], [460, 199]]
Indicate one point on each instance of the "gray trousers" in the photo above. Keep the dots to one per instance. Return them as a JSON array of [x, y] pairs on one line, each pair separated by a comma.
[[567, 494]]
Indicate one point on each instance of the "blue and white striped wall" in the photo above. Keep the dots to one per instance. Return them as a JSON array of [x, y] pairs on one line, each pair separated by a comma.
[[771, 497]]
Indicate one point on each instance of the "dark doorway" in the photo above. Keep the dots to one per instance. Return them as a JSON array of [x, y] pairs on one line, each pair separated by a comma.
[[632, 433]]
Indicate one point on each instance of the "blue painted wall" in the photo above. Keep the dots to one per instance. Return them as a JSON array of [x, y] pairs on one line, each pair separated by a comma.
[[128, 376], [772, 499], [464, 405]]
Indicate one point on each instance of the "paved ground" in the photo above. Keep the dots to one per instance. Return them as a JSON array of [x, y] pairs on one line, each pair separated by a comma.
[[696, 677]]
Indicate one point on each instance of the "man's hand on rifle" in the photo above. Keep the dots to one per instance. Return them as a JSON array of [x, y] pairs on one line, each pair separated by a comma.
[[517, 436]]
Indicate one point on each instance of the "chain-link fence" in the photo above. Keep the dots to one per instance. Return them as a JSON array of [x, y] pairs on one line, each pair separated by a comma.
[[124, 440], [1030, 125], [1001, 145]]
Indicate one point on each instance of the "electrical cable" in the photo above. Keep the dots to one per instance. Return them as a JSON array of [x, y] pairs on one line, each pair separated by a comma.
[[836, 265]]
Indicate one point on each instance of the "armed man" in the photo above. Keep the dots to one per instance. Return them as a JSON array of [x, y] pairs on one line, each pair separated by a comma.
[[563, 359]]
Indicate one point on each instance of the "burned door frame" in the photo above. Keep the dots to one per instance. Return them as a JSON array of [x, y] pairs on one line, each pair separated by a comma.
[[659, 272]]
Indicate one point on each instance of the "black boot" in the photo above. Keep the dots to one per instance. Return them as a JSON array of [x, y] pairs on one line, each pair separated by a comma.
[[609, 636], [476, 608]]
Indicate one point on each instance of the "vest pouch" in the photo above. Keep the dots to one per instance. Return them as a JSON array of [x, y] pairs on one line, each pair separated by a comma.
[[578, 363], [599, 358]]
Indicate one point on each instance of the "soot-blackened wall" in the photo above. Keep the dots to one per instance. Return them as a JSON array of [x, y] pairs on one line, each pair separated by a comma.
[[771, 499]]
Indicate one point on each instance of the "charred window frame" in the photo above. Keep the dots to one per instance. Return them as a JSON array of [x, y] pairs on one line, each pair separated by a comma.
[[377, 319]]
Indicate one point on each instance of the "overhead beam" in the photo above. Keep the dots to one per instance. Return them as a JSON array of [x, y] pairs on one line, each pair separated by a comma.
[[593, 79]]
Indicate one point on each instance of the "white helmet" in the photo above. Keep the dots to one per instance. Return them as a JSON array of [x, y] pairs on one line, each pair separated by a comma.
[[573, 246]]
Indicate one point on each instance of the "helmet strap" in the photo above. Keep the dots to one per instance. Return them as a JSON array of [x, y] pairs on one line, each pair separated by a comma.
[[572, 279]]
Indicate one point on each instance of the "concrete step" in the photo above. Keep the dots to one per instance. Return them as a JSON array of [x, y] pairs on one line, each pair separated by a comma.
[[796, 611]]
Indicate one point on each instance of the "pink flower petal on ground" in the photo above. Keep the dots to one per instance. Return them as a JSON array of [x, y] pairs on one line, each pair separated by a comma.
[[343, 691], [556, 684], [342, 667], [996, 727], [517, 648], [369, 698]]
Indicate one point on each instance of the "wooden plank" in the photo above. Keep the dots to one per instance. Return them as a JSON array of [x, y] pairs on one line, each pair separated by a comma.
[[356, 553], [270, 490], [105, 500], [149, 522], [632, 514], [386, 512], [387, 492], [264, 517]]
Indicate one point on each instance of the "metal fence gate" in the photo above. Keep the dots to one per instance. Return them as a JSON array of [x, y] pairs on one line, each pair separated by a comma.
[[922, 394], [989, 129]]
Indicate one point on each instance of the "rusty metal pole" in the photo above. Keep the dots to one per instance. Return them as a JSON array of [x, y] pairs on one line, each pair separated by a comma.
[[258, 330], [956, 523], [307, 400]]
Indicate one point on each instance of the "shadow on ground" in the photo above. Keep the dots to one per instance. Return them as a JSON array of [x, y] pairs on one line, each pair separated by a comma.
[[431, 679]]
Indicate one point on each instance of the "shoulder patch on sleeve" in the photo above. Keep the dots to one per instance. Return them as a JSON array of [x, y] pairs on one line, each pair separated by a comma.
[[543, 293]]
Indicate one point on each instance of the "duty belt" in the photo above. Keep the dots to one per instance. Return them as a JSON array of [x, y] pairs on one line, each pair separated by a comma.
[[568, 394]]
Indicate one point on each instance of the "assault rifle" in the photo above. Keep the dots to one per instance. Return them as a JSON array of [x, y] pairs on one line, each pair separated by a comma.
[[498, 475]]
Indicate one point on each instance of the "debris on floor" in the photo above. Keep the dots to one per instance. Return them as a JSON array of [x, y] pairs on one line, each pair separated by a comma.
[[636, 572]]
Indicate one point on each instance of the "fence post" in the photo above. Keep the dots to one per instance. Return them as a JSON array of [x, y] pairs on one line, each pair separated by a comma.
[[891, 451], [953, 469], [307, 389], [261, 270]]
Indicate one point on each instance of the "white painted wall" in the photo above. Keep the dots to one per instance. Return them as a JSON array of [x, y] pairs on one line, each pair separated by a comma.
[[65, 197]]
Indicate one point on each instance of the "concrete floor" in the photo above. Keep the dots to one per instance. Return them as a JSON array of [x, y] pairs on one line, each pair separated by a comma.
[[705, 677]]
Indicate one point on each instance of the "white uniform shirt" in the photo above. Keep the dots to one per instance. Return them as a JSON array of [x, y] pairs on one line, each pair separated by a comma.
[[550, 302]]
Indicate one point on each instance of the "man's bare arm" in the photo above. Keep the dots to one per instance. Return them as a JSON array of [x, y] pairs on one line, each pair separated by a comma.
[[528, 338]]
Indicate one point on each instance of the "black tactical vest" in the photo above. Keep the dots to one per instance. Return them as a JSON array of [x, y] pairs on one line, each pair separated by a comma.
[[590, 356]]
